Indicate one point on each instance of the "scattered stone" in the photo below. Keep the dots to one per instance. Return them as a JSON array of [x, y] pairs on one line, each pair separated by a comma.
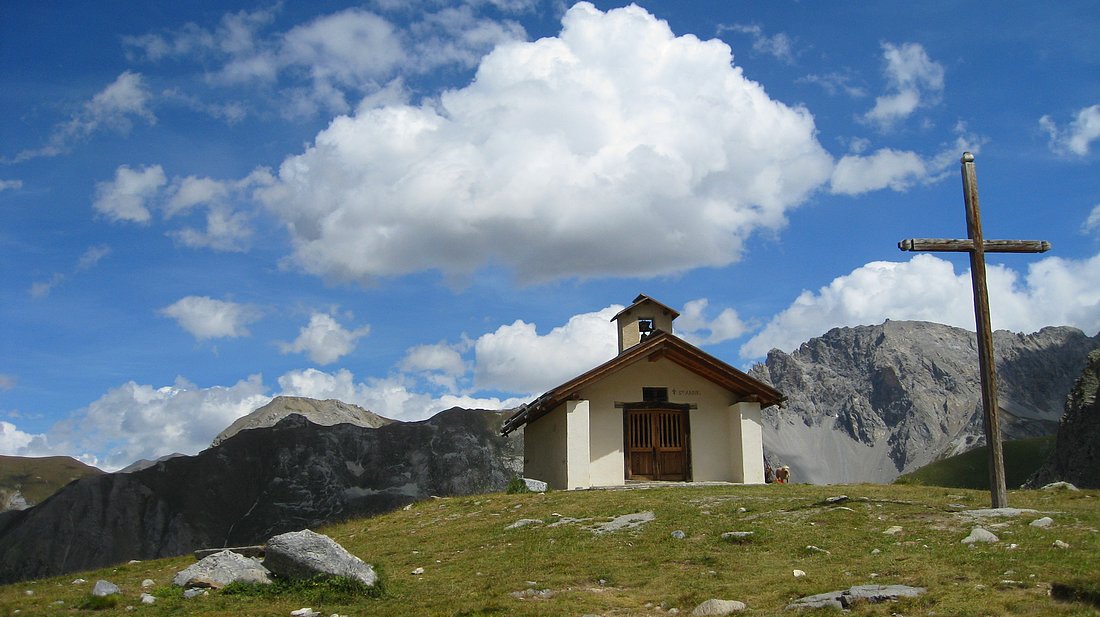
[[742, 510], [29, 592], [105, 588], [535, 486], [626, 521], [1044, 522], [148, 599], [221, 569], [846, 598], [837, 499], [875, 551], [147, 583], [894, 530], [1060, 486], [737, 536], [79, 581], [523, 522], [979, 534], [798, 573], [815, 549], [305, 554], [418, 571], [679, 535], [305, 612], [1010, 584], [541, 594], [715, 606], [194, 592], [1060, 544]]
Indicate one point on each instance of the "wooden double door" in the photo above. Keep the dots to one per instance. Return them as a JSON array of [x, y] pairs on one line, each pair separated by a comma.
[[657, 445]]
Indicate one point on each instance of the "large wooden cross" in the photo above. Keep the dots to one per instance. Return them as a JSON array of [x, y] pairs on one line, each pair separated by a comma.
[[978, 247]]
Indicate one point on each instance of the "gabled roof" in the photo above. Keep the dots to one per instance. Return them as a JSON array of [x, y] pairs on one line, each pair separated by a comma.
[[642, 298], [659, 345]]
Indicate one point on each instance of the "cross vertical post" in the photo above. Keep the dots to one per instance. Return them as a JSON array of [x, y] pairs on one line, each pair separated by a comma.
[[978, 246]]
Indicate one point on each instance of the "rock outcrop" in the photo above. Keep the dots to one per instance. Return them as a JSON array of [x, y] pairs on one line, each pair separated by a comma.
[[254, 485], [868, 403], [1076, 456], [326, 413]]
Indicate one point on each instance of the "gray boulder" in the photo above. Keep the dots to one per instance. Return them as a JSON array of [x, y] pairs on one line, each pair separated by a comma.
[[220, 569], [105, 588], [846, 598], [715, 606], [306, 554]]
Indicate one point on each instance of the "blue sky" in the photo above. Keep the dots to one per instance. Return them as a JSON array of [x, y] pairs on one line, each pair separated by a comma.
[[415, 205]]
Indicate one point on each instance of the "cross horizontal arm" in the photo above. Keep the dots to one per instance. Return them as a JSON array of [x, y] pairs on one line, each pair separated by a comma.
[[967, 246]]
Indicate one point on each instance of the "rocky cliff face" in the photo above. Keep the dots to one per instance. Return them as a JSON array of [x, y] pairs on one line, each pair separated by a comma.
[[868, 403], [326, 413], [256, 484], [1076, 456]]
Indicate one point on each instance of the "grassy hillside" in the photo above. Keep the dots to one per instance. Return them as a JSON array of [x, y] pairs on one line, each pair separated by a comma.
[[971, 469], [473, 565], [39, 477]]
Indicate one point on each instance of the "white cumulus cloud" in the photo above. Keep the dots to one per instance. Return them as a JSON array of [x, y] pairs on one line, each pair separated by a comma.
[[324, 340], [614, 129], [516, 358], [1078, 137], [207, 318], [135, 421], [915, 80], [696, 328], [127, 197], [1054, 292]]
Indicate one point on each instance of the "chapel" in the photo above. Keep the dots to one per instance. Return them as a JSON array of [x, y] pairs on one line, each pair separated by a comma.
[[660, 410]]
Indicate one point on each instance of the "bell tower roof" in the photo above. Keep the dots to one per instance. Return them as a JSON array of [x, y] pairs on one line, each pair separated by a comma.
[[641, 319]]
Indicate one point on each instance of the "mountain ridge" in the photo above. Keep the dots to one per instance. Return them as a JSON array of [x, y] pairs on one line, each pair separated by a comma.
[[867, 403]]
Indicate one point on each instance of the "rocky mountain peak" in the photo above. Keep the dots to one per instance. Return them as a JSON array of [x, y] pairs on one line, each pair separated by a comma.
[[868, 403], [328, 412], [1076, 456]]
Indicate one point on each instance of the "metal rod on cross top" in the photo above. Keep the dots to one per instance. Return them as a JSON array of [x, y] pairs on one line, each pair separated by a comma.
[[977, 246]]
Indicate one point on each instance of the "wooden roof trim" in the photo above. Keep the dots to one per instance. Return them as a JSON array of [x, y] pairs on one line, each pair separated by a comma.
[[676, 350]]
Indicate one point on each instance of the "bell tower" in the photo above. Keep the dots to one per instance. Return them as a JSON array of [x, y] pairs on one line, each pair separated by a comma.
[[641, 319]]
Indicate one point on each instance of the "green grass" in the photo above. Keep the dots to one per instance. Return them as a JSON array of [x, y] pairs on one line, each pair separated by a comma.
[[1022, 458], [39, 477], [473, 565]]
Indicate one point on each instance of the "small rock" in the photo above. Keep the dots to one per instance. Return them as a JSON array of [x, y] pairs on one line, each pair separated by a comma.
[[148, 599], [679, 535], [875, 551], [523, 522], [29, 592], [734, 536], [133, 561], [816, 549], [1060, 544], [979, 534], [418, 571], [305, 612], [715, 606], [194, 592], [742, 510], [79, 581], [1060, 486], [837, 499], [105, 588], [798, 573], [1044, 522], [894, 530], [147, 583]]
